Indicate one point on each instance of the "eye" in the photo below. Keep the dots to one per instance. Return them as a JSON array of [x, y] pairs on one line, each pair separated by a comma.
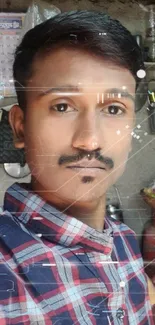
[[114, 110], [62, 108]]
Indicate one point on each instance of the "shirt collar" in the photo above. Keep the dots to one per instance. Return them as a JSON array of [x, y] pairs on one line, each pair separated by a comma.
[[46, 221]]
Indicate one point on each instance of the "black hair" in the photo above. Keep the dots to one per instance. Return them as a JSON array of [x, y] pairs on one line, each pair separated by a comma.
[[95, 32]]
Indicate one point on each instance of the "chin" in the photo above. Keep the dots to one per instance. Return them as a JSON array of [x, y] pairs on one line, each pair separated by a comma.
[[88, 194]]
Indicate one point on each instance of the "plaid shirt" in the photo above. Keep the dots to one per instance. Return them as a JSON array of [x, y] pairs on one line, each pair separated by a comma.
[[56, 270]]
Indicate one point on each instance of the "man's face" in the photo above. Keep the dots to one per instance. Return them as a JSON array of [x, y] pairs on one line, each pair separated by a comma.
[[90, 116]]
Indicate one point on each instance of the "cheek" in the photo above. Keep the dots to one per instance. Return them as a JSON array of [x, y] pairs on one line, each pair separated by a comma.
[[119, 144], [121, 155], [123, 147], [118, 135], [45, 141]]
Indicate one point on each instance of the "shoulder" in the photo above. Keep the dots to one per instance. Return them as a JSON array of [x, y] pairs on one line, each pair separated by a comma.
[[125, 240], [12, 232], [120, 228], [6, 218]]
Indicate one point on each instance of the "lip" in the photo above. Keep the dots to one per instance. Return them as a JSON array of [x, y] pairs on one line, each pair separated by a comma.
[[86, 171], [86, 167], [86, 164]]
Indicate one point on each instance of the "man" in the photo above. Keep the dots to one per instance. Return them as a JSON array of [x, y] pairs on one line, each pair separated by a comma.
[[62, 260]]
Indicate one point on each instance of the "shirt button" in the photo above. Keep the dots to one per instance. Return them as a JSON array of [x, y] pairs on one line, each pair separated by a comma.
[[120, 313], [122, 284]]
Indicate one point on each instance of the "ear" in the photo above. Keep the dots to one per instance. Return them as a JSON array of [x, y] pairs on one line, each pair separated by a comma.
[[16, 120]]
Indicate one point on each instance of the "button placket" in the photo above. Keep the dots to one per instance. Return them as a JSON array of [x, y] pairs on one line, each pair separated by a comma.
[[118, 299]]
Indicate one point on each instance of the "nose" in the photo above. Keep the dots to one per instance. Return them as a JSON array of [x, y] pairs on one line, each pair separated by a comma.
[[86, 136]]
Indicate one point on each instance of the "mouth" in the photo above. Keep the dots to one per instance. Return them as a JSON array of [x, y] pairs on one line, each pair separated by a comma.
[[83, 167], [87, 165], [87, 171], [87, 168]]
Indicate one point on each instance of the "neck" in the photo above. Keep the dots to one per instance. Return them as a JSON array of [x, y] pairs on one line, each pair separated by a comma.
[[91, 212]]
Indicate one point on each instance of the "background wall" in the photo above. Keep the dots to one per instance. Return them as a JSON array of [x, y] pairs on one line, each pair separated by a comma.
[[141, 165]]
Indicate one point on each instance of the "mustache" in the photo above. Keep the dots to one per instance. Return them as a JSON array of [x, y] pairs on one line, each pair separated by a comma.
[[84, 154]]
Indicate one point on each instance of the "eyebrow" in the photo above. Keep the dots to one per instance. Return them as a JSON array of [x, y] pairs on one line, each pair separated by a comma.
[[120, 93], [110, 93], [60, 89]]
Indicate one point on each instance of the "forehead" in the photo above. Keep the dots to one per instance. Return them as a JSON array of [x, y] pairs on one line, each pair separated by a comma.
[[76, 67]]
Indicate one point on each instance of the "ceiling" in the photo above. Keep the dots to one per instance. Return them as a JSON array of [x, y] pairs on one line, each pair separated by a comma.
[[19, 5]]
